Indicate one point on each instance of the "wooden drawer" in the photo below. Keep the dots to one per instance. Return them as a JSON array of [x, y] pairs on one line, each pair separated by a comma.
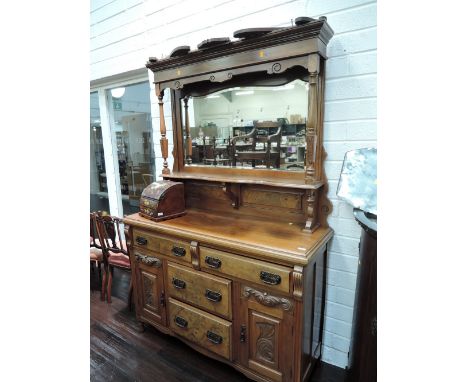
[[204, 329], [171, 247], [257, 271], [203, 290]]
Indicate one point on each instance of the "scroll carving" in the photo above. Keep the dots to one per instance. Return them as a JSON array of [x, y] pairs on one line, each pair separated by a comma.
[[195, 252], [297, 282], [267, 299], [266, 342], [148, 297], [162, 127], [148, 260]]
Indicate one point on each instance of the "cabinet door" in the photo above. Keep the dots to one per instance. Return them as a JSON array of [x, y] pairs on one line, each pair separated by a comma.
[[150, 289], [266, 333]]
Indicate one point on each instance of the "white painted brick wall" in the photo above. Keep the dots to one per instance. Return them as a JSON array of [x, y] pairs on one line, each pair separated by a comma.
[[124, 33]]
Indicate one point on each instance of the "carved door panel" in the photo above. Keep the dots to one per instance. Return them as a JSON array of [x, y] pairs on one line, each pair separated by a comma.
[[266, 334], [151, 299]]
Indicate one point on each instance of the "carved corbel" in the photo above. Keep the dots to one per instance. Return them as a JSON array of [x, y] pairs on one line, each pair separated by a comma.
[[311, 213], [297, 282], [233, 192]]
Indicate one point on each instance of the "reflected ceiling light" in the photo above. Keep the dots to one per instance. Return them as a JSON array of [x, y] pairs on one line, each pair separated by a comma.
[[213, 96], [245, 92], [117, 92]]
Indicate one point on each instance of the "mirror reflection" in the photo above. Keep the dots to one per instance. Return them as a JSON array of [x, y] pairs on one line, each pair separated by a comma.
[[251, 127]]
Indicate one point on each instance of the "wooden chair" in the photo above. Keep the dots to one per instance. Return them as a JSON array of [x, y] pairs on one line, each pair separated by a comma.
[[115, 254], [214, 155], [268, 153], [95, 250]]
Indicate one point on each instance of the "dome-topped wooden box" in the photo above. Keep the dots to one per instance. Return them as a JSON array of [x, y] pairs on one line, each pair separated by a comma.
[[162, 200]]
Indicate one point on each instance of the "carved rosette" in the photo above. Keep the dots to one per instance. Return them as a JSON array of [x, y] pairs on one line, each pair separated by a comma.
[[266, 342], [267, 299], [297, 282]]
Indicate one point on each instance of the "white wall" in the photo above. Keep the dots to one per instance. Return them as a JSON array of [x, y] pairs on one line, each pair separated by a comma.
[[125, 33]]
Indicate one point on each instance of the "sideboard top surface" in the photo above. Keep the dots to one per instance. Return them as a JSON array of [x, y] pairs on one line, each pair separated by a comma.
[[279, 242]]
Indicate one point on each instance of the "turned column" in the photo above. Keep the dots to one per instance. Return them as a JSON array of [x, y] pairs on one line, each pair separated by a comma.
[[312, 126], [188, 138], [162, 128]]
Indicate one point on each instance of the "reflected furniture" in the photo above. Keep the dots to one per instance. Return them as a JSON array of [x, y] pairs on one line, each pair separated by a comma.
[[241, 277], [114, 247], [268, 154]]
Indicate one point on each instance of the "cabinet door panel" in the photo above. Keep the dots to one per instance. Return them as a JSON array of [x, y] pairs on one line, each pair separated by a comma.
[[266, 343], [151, 304]]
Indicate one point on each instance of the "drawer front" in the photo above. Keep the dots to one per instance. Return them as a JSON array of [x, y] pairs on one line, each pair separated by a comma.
[[171, 247], [202, 328], [257, 271], [203, 290]]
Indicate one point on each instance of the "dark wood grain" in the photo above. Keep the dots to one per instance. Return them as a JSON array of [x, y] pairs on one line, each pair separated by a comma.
[[250, 228], [120, 352]]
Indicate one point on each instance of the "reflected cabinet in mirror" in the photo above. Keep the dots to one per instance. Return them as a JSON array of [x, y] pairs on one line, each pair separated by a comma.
[[248, 127]]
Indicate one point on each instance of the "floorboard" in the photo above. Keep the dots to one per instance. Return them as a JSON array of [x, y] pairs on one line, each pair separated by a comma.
[[120, 352]]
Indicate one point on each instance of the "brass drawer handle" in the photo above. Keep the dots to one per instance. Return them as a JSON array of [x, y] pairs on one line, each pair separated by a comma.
[[148, 260], [270, 278], [178, 251], [141, 240], [213, 262], [178, 283], [181, 322], [213, 296], [213, 337]]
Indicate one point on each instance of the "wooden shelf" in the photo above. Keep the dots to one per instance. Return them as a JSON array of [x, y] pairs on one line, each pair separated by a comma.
[[245, 179], [279, 242]]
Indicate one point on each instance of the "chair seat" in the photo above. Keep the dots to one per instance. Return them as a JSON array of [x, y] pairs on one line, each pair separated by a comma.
[[119, 260], [95, 254]]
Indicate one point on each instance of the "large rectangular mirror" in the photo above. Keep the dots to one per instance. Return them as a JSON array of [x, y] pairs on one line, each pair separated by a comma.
[[248, 127]]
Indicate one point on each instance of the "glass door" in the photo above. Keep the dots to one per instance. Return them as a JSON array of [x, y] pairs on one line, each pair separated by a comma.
[[99, 198], [130, 122]]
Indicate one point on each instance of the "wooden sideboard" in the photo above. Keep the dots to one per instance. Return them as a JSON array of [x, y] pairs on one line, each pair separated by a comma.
[[241, 277], [244, 291]]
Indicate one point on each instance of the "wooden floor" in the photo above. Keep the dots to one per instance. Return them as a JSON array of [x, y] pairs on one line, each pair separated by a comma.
[[119, 352]]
